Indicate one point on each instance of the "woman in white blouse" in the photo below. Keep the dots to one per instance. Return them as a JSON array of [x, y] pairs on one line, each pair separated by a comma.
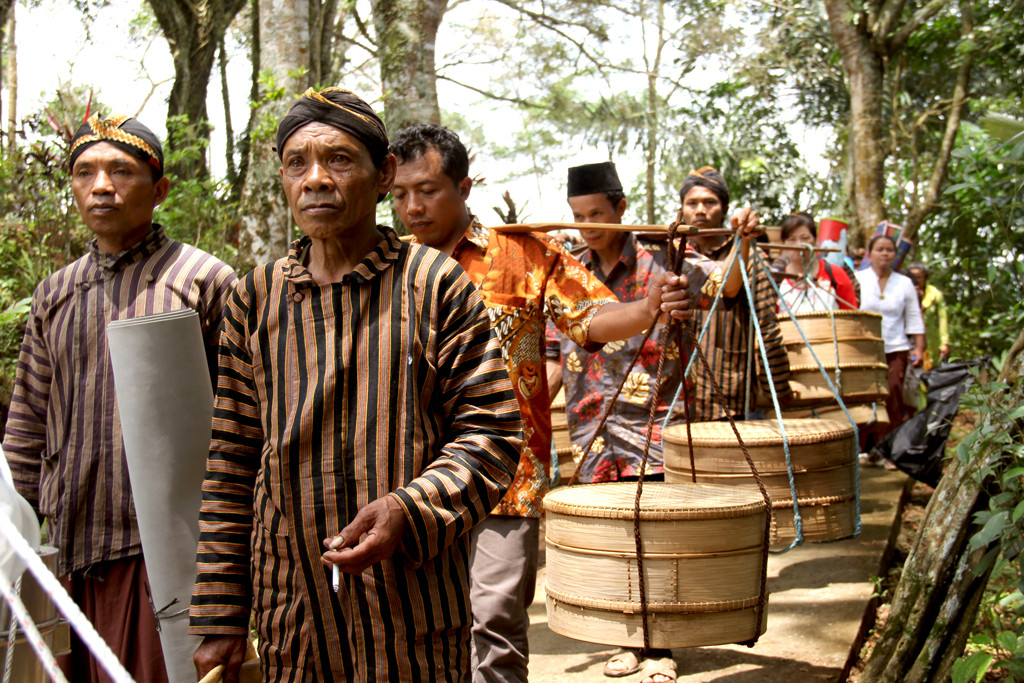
[[893, 295]]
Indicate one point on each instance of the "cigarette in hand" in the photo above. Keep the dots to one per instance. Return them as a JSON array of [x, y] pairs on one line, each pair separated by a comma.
[[336, 578]]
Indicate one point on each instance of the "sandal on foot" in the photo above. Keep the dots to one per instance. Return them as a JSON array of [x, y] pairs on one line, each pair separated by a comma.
[[661, 670], [627, 660]]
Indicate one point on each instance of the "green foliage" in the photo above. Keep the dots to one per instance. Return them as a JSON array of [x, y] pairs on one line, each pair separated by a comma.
[[998, 638], [199, 209], [975, 243]]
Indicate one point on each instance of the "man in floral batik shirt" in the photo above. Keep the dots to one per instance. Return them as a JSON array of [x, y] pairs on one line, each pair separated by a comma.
[[525, 279], [627, 266]]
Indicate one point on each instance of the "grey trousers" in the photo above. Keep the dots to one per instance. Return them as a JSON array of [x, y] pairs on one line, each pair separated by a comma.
[[502, 577]]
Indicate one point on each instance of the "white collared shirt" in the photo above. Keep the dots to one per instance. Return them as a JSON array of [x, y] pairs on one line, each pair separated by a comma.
[[900, 309]]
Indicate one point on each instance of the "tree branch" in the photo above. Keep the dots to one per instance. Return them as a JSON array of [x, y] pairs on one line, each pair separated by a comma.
[[938, 177], [362, 29], [494, 96], [919, 19], [891, 11]]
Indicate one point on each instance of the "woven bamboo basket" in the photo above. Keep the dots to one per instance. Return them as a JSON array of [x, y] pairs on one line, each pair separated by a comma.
[[817, 326], [851, 351], [566, 461], [863, 414], [702, 557], [559, 423], [824, 459], [859, 382]]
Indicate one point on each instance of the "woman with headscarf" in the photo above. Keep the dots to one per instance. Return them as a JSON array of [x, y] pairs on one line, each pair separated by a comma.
[[829, 288], [887, 292]]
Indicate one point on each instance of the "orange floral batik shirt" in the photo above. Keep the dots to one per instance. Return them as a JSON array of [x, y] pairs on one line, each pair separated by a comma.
[[526, 279]]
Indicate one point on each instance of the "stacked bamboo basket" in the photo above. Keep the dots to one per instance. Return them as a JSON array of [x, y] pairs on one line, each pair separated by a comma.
[[560, 443], [824, 461], [54, 630], [852, 353], [703, 553]]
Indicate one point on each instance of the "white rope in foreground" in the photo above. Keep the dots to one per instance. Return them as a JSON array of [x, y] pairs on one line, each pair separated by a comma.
[[12, 636], [51, 586], [28, 627]]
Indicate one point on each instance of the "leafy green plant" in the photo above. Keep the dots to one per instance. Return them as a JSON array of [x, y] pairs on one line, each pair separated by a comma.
[[998, 640]]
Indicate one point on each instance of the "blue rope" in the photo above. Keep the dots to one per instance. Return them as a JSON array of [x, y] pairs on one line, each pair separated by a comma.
[[856, 434], [797, 519]]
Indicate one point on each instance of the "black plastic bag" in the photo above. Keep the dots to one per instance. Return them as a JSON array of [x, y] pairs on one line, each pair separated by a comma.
[[918, 445]]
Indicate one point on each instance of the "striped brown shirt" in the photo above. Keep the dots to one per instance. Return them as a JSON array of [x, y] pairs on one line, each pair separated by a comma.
[[726, 348], [63, 437], [390, 382]]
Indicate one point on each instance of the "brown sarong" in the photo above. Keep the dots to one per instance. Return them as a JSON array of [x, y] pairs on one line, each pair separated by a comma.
[[115, 597]]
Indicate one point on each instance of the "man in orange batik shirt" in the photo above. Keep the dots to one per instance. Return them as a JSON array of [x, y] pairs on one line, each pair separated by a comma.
[[524, 279]]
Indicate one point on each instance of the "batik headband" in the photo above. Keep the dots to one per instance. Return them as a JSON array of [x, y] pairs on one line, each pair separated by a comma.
[[123, 132]]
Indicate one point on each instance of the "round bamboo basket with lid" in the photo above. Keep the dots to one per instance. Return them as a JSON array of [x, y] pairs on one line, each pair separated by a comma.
[[863, 414], [703, 550], [559, 423], [854, 346], [824, 459], [858, 382], [817, 326]]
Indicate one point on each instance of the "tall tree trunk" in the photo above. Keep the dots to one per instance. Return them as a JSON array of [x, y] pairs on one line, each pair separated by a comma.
[[406, 34], [12, 86], [653, 119], [284, 42], [864, 75], [193, 29], [323, 40], [937, 597], [229, 131], [245, 144]]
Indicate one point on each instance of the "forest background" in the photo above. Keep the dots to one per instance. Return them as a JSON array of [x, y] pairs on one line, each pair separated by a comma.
[[863, 110]]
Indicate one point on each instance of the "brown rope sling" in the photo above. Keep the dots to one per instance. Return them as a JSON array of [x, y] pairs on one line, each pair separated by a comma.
[[670, 334]]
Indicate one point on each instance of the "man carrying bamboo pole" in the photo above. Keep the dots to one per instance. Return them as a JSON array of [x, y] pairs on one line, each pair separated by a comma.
[[525, 279], [626, 265], [729, 344]]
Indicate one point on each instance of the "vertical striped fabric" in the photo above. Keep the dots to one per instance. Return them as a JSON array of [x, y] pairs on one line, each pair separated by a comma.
[[329, 397], [726, 348], [63, 438]]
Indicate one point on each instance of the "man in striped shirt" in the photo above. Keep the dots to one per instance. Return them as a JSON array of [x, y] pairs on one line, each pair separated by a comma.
[[728, 342], [63, 436], [364, 420], [525, 279]]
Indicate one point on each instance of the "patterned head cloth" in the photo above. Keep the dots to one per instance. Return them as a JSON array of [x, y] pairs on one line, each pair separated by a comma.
[[121, 131], [593, 179], [343, 110], [710, 178]]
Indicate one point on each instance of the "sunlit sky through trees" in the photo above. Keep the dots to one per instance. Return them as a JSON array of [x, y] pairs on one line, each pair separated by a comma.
[[134, 76]]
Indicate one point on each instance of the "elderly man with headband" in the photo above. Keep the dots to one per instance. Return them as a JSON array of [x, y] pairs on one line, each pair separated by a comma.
[[364, 421], [705, 198], [63, 437]]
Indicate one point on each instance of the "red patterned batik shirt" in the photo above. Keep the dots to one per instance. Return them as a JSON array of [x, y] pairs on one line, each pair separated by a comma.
[[526, 279]]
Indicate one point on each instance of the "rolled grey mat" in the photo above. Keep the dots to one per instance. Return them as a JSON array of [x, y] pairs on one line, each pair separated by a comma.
[[162, 382]]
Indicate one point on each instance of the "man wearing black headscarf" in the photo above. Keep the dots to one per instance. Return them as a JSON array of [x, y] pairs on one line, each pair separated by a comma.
[[63, 437], [727, 345], [363, 424]]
